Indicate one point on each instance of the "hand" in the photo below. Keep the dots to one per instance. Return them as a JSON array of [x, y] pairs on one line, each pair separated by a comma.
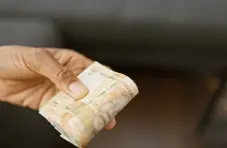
[[31, 76]]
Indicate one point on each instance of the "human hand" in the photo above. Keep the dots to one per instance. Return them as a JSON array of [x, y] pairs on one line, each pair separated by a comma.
[[31, 76]]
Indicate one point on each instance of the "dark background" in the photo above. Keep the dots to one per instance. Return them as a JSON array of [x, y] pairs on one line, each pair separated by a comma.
[[173, 49]]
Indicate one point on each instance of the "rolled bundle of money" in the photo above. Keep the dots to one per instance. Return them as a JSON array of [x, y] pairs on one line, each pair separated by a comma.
[[79, 121]]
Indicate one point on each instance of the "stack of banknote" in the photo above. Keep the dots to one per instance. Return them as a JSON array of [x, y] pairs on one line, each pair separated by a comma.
[[79, 121]]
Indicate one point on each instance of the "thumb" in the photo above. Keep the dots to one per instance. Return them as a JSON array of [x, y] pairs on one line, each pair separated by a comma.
[[61, 76]]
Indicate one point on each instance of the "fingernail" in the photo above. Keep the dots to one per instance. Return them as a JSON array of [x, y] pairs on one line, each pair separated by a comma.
[[78, 88]]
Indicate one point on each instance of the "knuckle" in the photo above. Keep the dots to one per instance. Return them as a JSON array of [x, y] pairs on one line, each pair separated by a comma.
[[62, 73], [35, 59], [39, 54], [39, 51]]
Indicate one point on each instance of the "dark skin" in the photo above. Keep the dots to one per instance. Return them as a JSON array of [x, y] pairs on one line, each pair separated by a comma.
[[30, 76]]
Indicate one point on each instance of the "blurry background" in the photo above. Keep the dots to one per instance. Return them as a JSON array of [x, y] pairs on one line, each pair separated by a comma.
[[174, 50]]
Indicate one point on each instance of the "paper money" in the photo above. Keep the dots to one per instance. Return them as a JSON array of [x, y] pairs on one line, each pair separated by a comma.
[[79, 121]]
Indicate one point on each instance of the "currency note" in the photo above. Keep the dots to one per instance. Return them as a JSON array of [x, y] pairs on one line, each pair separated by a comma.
[[79, 121]]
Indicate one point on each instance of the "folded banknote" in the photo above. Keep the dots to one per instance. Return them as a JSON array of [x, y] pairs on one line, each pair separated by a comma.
[[79, 121]]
